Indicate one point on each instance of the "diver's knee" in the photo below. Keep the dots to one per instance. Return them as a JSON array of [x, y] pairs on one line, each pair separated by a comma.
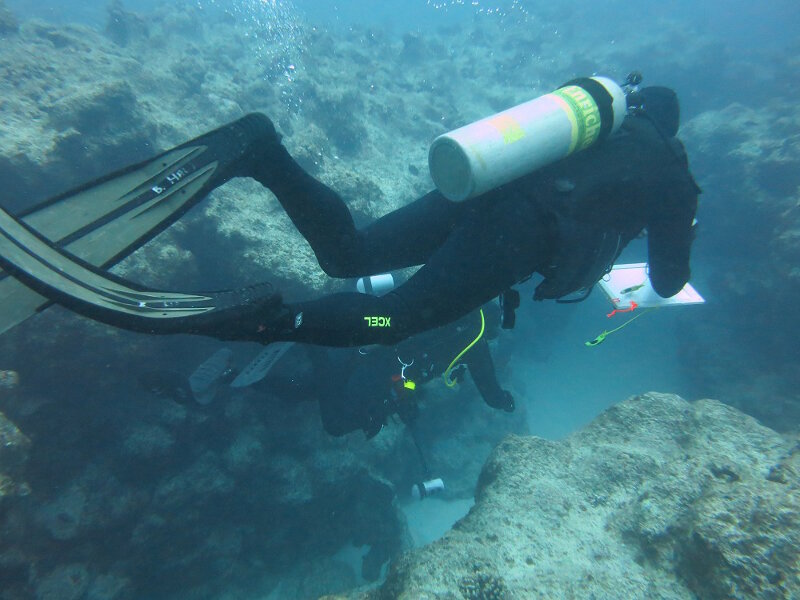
[[340, 260], [332, 268], [259, 126]]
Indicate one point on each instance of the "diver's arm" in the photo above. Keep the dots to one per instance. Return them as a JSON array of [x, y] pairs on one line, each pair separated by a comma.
[[670, 233], [481, 369]]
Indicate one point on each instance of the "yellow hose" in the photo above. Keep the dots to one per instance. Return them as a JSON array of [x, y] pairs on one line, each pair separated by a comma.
[[451, 382]]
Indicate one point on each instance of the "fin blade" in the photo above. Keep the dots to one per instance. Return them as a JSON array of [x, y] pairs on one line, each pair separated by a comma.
[[260, 366], [105, 244], [205, 379], [62, 216], [104, 221], [43, 266], [18, 301]]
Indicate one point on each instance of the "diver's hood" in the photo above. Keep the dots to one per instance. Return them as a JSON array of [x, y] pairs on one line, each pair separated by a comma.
[[661, 105]]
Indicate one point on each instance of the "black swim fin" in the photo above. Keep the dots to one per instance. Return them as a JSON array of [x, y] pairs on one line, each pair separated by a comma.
[[87, 290], [244, 314], [106, 220]]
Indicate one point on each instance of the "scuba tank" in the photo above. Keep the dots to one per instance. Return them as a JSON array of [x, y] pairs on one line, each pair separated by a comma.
[[486, 154]]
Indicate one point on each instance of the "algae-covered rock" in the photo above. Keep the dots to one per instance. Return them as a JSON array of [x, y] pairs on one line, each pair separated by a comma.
[[657, 498], [123, 26], [8, 22]]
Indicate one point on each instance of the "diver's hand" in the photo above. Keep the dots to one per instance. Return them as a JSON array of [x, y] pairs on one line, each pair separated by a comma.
[[508, 402], [504, 402]]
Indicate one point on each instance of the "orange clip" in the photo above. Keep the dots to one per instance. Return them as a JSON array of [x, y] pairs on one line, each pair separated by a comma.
[[631, 308]]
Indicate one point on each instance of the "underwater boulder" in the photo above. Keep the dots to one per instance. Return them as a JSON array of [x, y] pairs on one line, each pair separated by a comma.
[[656, 498]]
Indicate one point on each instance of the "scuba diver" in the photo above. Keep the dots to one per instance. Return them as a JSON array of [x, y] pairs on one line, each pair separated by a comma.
[[361, 389], [622, 171], [354, 388]]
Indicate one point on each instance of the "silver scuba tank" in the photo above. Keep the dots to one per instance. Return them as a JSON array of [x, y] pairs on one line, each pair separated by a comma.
[[488, 153]]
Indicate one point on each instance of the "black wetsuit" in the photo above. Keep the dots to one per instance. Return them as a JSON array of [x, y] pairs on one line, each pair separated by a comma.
[[359, 389], [568, 222]]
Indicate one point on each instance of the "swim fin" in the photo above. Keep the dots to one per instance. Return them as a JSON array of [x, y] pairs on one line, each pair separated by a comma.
[[106, 220], [244, 314], [206, 378], [261, 365]]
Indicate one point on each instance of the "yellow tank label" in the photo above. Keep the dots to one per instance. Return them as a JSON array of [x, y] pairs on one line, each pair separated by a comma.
[[582, 111], [508, 127]]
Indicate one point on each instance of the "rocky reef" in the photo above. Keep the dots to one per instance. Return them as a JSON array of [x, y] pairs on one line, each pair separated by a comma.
[[657, 498]]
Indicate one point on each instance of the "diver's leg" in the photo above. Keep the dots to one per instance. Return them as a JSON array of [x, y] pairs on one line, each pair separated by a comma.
[[403, 238], [409, 235], [496, 245], [251, 147]]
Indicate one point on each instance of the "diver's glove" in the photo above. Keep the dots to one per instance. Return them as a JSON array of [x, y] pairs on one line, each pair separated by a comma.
[[504, 402], [373, 423]]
